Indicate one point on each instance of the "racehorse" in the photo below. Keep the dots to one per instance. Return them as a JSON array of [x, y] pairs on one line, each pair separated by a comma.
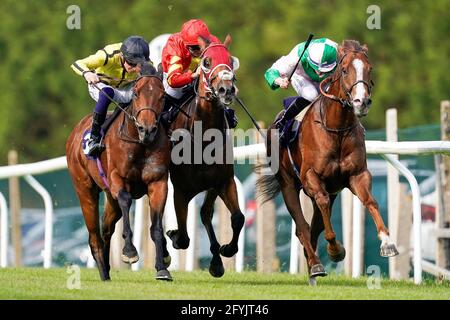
[[135, 162], [328, 155], [215, 90]]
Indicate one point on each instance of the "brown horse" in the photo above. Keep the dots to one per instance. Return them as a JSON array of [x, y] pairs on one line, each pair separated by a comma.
[[329, 155], [216, 89], [136, 163]]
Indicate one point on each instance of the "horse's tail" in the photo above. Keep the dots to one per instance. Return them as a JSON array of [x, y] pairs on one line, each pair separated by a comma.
[[267, 185]]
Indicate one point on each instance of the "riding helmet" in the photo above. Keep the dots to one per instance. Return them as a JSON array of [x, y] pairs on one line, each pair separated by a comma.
[[135, 50], [192, 29]]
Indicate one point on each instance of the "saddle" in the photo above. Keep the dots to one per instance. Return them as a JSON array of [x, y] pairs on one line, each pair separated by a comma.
[[291, 129], [110, 117]]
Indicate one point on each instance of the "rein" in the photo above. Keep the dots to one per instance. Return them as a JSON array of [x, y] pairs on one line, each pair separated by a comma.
[[324, 126]]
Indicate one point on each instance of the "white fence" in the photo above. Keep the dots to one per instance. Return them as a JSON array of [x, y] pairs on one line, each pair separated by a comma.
[[383, 148]]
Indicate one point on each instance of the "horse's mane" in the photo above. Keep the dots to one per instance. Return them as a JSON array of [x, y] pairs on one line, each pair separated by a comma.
[[352, 45]]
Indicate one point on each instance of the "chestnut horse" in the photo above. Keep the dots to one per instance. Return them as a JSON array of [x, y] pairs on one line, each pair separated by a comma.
[[135, 163], [328, 155], [215, 90]]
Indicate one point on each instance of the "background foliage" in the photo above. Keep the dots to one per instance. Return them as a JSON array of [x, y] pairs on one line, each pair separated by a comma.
[[42, 98]]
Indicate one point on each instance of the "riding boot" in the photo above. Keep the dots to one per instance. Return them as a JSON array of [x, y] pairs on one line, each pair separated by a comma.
[[290, 113], [98, 117], [172, 105], [231, 117], [95, 145], [170, 110]]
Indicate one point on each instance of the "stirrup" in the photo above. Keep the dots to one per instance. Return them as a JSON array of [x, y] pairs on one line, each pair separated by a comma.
[[96, 148]]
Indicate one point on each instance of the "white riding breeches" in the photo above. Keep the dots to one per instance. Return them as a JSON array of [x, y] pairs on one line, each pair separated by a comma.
[[121, 95], [176, 93], [305, 87]]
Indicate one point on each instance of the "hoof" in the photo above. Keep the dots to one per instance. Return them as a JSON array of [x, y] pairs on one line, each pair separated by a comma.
[[228, 251], [317, 270], [336, 256], [130, 260], [388, 250], [130, 254], [105, 277], [216, 270], [167, 260], [163, 275], [312, 281], [177, 243]]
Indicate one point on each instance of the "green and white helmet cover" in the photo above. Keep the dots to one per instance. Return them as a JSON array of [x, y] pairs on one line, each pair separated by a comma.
[[321, 55]]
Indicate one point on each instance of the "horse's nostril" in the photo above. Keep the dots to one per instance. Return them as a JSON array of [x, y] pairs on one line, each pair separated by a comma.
[[233, 90], [222, 90], [369, 102]]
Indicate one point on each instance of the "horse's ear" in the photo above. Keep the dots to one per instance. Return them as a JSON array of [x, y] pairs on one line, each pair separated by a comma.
[[340, 52], [365, 48], [227, 41], [203, 42]]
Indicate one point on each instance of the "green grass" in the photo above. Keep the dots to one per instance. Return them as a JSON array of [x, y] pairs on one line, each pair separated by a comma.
[[38, 283]]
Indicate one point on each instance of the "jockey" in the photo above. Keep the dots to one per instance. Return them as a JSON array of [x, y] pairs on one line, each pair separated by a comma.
[[317, 63], [112, 70], [181, 57]]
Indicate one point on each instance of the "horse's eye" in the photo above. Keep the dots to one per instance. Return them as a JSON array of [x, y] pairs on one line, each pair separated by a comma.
[[344, 71], [207, 63]]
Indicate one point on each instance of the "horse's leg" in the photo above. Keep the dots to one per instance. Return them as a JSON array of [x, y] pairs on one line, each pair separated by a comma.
[[89, 206], [179, 237], [316, 229], [157, 195], [216, 268], [111, 215], [118, 191], [315, 188], [292, 201], [361, 185], [230, 198]]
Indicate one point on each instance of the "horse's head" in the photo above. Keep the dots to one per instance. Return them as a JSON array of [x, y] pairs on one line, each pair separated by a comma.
[[147, 106], [353, 73], [218, 66]]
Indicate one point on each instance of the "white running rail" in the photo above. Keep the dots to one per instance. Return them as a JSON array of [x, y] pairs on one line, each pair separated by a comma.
[[252, 151]]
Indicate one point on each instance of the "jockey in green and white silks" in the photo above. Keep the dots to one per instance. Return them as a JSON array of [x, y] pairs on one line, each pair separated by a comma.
[[317, 63]]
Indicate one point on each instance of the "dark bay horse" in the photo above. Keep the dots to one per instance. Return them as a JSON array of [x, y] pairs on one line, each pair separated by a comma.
[[329, 155], [216, 89], [135, 163]]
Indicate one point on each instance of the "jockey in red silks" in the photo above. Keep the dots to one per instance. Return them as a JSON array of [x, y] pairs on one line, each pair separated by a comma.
[[181, 57]]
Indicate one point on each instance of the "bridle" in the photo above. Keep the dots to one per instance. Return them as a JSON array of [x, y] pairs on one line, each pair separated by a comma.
[[343, 102], [123, 133], [330, 81], [209, 75]]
